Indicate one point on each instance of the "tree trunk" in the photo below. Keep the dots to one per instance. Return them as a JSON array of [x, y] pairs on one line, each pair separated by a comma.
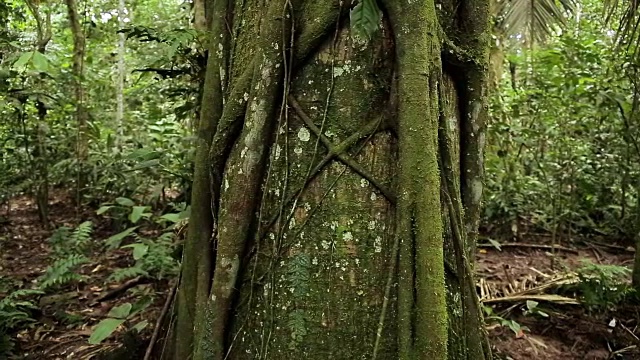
[[82, 141], [121, 74], [41, 162], [337, 184]]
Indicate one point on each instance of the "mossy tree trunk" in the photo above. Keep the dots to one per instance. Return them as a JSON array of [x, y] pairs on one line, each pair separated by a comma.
[[337, 184]]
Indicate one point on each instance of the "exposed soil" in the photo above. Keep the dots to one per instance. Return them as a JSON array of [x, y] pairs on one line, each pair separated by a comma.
[[570, 332], [66, 317]]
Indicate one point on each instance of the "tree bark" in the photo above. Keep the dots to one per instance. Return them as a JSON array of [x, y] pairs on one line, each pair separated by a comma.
[[337, 185]]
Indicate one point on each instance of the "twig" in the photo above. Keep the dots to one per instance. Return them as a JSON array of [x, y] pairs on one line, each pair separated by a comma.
[[163, 313], [614, 247], [120, 289], [549, 298], [532, 246], [509, 279]]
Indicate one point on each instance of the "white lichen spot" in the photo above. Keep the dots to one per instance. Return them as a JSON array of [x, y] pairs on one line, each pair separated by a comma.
[[303, 134], [360, 292], [373, 196], [226, 184], [310, 82], [476, 191], [245, 96], [298, 150], [329, 134], [334, 225], [364, 182], [377, 244], [325, 244], [292, 223], [314, 261], [243, 153], [272, 236], [347, 236], [277, 152], [307, 206], [342, 277], [277, 192], [357, 261], [292, 290], [350, 222], [372, 225]]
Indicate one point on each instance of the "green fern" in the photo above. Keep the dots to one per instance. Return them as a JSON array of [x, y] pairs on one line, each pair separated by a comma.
[[603, 286], [119, 275], [81, 237], [65, 242], [15, 314], [63, 271], [297, 324], [298, 275], [365, 19]]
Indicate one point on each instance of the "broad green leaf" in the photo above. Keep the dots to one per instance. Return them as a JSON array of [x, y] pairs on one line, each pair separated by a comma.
[[139, 250], [141, 325], [125, 201], [23, 60], [365, 19], [172, 217], [121, 311], [136, 213], [114, 241], [103, 209], [141, 305], [147, 164], [40, 62], [495, 244], [104, 329], [531, 304]]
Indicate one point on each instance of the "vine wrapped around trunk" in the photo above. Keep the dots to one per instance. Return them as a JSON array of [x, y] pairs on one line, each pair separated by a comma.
[[335, 200]]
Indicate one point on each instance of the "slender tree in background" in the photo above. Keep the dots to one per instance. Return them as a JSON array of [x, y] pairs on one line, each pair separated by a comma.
[[40, 162], [121, 70], [82, 116], [337, 183]]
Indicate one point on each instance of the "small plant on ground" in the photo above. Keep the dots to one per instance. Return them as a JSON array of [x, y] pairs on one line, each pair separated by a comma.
[[603, 287], [492, 317], [15, 313], [116, 317], [69, 252]]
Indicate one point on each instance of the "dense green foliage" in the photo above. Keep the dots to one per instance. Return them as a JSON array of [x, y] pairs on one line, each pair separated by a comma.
[[562, 150], [161, 87]]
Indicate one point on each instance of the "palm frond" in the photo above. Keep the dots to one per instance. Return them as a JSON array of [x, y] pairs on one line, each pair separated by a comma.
[[533, 19], [627, 13]]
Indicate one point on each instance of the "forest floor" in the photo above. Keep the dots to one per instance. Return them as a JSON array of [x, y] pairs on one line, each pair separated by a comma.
[[507, 278]]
